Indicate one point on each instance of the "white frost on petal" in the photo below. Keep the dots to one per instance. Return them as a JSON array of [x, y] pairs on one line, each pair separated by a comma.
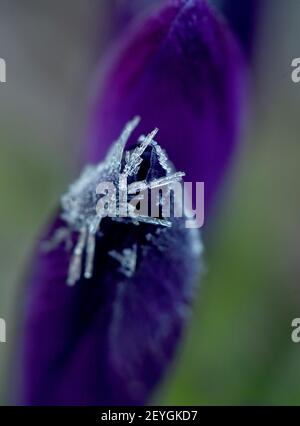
[[127, 259], [78, 204]]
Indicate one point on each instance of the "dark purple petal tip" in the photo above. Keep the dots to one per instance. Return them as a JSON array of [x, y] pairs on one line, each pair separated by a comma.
[[182, 72]]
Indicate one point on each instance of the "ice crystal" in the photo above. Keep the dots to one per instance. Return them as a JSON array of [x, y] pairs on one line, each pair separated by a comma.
[[168, 180], [127, 260], [162, 158], [161, 155], [61, 235], [135, 159]]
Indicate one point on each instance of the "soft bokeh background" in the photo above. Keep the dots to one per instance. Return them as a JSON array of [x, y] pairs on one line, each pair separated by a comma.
[[238, 348]]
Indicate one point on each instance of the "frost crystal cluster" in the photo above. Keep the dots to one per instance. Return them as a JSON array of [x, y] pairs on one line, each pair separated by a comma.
[[79, 203]]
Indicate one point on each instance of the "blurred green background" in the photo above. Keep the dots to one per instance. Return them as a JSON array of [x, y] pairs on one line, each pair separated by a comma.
[[238, 347]]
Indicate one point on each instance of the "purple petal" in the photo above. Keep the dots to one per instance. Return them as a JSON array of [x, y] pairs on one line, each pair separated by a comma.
[[181, 71], [108, 340], [243, 20]]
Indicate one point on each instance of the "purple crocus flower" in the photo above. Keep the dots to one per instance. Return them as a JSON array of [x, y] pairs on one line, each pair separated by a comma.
[[109, 336]]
